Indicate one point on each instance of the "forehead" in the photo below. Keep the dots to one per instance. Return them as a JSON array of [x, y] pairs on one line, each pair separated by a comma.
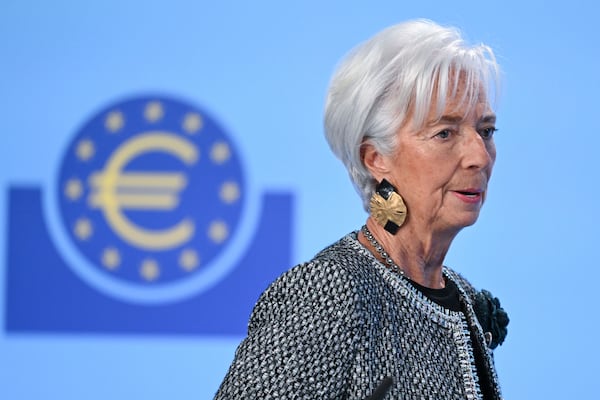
[[458, 99], [462, 105]]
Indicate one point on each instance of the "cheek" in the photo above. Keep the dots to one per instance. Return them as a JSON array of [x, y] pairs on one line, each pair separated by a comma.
[[423, 174], [492, 153], [430, 183]]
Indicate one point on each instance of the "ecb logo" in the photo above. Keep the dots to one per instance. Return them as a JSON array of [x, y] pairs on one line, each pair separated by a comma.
[[151, 227]]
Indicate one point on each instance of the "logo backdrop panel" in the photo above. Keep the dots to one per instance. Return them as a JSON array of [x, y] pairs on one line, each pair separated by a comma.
[[152, 199]]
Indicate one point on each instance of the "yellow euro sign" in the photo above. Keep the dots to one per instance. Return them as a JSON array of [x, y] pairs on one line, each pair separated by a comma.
[[114, 190]]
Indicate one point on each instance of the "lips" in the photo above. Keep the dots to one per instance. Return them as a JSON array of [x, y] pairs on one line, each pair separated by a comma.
[[469, 195]]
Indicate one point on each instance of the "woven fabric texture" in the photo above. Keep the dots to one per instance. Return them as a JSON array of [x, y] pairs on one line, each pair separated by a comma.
[[335, 327]]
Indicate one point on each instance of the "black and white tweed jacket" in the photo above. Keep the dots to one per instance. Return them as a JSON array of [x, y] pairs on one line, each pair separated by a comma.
[[335, 327]]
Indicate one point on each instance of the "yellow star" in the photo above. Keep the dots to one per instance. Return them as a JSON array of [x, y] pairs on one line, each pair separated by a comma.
[[85, 149], [111, 258], [230, 192], [192, 123], [218, 231], [220, 152], [154, 111], [188, 260], [114, 121], [83, 229], [73, 189], [149, 270]]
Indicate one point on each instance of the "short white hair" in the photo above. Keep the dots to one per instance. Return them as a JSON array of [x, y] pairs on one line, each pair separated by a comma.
[[400, 71]]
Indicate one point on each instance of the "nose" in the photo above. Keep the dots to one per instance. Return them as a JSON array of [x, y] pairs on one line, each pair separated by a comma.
[[479, 153]]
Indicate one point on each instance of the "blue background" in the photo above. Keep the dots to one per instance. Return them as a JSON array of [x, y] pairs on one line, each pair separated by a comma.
[[262, 69]]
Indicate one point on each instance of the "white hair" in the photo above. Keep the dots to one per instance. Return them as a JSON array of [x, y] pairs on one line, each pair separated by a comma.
[[400, 71]]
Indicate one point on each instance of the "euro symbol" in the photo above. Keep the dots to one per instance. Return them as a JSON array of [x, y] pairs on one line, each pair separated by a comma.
[[114, 190]]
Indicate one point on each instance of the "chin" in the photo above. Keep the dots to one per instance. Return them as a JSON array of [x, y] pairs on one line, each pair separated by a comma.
[[470, 222], [466, 221]]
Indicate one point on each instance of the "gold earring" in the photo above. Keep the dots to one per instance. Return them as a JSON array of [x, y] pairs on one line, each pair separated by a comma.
[[387, 207]]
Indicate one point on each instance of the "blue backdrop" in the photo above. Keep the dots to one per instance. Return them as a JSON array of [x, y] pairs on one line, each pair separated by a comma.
[[88, 312]]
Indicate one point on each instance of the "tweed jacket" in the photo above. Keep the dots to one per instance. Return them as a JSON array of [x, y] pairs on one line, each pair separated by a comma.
[[335, 327]]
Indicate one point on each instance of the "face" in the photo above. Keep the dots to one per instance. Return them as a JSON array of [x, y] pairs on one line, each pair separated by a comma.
[[442, 170]]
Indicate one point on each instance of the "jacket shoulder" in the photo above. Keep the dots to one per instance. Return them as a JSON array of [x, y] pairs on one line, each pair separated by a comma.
[[329, 283]]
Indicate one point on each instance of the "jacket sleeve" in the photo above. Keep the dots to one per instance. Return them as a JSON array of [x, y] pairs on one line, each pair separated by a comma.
[[301, 339]]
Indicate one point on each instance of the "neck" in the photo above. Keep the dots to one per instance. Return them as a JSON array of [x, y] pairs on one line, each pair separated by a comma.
[[419, 254]]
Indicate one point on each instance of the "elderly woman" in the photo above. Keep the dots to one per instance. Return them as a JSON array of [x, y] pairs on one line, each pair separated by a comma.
[[409, 114]]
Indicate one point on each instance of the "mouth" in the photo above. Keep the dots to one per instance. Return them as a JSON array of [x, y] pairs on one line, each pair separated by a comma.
[[470, 196], [470, 193]]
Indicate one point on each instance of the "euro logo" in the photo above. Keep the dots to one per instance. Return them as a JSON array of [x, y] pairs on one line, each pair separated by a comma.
[[150, 227], [151, 191]]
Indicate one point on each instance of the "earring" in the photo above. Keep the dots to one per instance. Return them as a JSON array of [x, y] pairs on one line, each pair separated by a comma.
[[387, 207]]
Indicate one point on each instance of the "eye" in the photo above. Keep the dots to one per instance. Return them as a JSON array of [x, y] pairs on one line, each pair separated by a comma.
[[487, 133], [445, 134]]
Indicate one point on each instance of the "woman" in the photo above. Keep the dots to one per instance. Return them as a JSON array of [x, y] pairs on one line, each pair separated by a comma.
[[408, 113]]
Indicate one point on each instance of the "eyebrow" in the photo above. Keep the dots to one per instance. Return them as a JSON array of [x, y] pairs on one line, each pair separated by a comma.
[[450, 119], [456, 119], [488, 118]]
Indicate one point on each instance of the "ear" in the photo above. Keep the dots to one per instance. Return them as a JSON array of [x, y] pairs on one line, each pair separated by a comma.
[[374, 161]]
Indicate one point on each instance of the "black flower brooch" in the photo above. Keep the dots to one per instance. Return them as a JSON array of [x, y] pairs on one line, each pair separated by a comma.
[[492, 317]]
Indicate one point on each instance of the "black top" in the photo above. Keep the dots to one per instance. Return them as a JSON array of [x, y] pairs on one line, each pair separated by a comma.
[[446, 297]]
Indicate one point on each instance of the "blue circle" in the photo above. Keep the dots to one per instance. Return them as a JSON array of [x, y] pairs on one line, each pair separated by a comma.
[[119, 220]]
